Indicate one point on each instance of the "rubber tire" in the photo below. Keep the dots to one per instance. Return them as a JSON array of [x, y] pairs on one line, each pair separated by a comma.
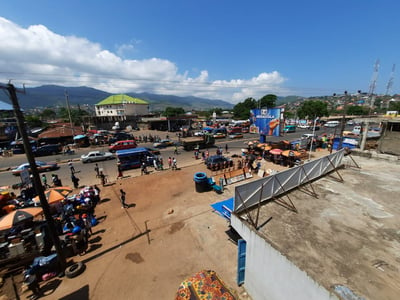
[[75, 269]]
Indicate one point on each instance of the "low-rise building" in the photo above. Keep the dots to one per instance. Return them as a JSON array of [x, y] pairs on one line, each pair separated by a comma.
[[121, 106]]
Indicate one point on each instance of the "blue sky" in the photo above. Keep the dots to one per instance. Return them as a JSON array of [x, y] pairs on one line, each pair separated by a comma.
[[217, 49]]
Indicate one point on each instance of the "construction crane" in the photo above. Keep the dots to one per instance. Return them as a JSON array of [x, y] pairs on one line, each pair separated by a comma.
[[390, 82], [372, 85]]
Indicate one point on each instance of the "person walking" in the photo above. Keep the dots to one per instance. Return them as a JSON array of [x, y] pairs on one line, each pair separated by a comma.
[[97, 170], [122, 198], [226, 148], [176, 150], [44, 181], [174, 164], [102, 178]]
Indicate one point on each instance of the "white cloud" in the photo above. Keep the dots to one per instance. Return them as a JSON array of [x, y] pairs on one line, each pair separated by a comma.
[[37, 56]]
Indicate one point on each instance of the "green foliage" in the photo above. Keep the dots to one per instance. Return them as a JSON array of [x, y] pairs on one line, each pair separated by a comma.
[[268, 101], [394, 105], [242, 109], [311, 109], [76, 115], [48, 114], [356, 110], [174, 111], [33, 121]]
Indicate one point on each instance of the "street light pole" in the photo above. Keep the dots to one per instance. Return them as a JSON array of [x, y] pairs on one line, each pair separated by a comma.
[[35, 174]]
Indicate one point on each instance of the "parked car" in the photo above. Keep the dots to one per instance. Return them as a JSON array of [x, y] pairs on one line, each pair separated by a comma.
[[96, 156], [236, 135], [216, 162], [163, 143], [122, 145], [51, 149], [303, 126], [219, 135], [119, 136], [153, 151], [40, 165]]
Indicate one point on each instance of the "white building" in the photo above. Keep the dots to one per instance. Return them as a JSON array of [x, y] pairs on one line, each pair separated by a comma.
[[121, 106]]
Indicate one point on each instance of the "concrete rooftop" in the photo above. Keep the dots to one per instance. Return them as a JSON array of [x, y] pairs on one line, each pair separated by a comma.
[[350, 234]]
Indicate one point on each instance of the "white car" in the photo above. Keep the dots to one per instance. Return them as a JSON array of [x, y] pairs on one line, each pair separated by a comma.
[[303, 126], [96, 156]]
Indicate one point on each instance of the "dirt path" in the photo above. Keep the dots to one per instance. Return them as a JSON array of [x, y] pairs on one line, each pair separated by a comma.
[[184, 236]]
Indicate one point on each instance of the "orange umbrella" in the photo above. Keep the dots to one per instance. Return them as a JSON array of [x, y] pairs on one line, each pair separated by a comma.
[[287, 153], [19, 216], [56, 194]]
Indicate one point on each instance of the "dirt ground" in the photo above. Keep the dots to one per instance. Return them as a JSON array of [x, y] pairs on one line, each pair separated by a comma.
[[168, 233]]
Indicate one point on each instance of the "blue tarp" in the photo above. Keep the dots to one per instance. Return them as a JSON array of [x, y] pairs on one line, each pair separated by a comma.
[[228, 203]]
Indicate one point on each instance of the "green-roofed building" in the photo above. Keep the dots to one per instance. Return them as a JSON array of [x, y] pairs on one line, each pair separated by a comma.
[[121, 106]]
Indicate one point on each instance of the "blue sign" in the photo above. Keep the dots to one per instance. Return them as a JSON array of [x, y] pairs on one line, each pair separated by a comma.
[[265, 121]]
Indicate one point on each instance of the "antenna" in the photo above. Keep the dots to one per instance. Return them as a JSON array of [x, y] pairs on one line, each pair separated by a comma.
[[373, 84], [390, 82]]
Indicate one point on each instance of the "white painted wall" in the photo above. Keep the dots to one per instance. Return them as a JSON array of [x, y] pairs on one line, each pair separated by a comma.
[[270, 275], [126, 109]]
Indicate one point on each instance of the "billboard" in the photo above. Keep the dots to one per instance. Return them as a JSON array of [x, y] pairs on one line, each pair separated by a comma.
[[265, 121]]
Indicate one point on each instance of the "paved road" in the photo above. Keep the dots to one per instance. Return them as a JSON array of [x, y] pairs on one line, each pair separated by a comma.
[[86, 172]]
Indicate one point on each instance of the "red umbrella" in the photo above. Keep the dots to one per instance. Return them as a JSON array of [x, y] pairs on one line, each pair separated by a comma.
[[275, 151]]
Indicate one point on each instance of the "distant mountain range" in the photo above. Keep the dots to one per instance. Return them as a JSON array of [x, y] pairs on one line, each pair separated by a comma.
[[53, 96]]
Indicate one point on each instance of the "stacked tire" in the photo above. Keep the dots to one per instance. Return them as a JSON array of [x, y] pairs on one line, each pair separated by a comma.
[[201, 182]]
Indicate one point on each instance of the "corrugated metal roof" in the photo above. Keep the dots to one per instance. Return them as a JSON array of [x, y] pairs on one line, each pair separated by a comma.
[[5, 106], [121, 99]]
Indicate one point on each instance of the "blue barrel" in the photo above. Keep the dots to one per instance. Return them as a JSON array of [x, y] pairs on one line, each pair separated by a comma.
[[201, 182]]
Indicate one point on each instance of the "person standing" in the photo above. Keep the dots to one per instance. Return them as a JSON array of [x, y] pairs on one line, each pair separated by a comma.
[[169, 162], [122, 198], [75, 180], [120, 174], [71, 166], [226, 148]]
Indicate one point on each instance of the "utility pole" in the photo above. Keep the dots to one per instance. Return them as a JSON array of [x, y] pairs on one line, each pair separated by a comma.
[[35, 174], [69, 114]]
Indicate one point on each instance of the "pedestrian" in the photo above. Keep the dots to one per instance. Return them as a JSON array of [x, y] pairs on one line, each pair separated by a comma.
[[120, 174], [160, 163], [87, 224], [176, 150], [226, 148], [155, 163], [44, 180], [143, 168], [71, 166], [102, 178], [96, 198], [97, 170], [169, 162], [174, 164], [75, 180], [122, 198]]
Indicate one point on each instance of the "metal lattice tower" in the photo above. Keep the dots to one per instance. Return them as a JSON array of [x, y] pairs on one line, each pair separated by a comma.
[[373, 84], [390, 82]]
